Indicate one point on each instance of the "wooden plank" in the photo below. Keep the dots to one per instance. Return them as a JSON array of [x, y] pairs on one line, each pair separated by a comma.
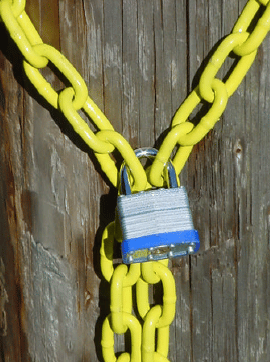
[[139, 59], [11, 112], [252, 180], [231, 208]]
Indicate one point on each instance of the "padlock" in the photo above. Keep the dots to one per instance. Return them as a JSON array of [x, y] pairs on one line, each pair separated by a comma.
[[155, 224]]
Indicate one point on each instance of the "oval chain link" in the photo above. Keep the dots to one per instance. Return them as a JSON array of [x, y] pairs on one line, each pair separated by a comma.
[[71, 100], [121, 280], [245, 46]]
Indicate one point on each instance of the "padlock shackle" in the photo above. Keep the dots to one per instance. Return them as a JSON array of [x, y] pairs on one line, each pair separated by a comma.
[[150, 153]]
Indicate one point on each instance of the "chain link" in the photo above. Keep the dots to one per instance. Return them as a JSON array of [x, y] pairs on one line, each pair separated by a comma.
[[71, 100], [122, 317], [245, 46], [37, 55], [184, 135]]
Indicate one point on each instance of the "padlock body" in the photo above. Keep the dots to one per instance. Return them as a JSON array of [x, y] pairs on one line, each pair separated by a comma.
[[156, 224]]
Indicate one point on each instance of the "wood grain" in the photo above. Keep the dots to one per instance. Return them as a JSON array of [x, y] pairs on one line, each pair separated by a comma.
[[139, 59]]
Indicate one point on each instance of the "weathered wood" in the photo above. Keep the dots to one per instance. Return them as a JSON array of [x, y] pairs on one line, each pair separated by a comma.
[[139, 59]]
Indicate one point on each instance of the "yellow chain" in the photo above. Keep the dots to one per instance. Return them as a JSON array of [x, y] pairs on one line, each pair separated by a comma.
[[213, 90], [70, 100], [143, 340], [183, 135]]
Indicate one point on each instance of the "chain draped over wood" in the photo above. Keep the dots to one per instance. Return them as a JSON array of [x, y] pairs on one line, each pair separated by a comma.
[[149, 330], [182, 135]]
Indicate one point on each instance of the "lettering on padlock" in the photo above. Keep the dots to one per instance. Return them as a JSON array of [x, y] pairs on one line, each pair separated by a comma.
[[155, 224]]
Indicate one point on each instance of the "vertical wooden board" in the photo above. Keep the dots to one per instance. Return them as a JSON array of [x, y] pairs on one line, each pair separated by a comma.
[[13, 341], [223, 295], [211, 200], [56, 233], [88, 212], [71, 13], [51, 320], [240, 207], [130, 69], [94, 72], [201, 308], [146, 106], [213, 294], [229, 142], [198, 48], [54, 239], [170, 62], [253, 181], [224, 331], [170, 36], [198, 36], [205, 173], [179, 68], [112, 62], [138, 59], [181, 328], [159, 67]]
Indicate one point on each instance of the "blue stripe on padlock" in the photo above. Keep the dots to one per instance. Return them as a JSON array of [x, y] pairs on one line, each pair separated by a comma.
[[160, 246], [155, 224]]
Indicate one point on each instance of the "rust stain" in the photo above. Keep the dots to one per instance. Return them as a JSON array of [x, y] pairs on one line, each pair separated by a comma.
[[88, 299], [10, 199]]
